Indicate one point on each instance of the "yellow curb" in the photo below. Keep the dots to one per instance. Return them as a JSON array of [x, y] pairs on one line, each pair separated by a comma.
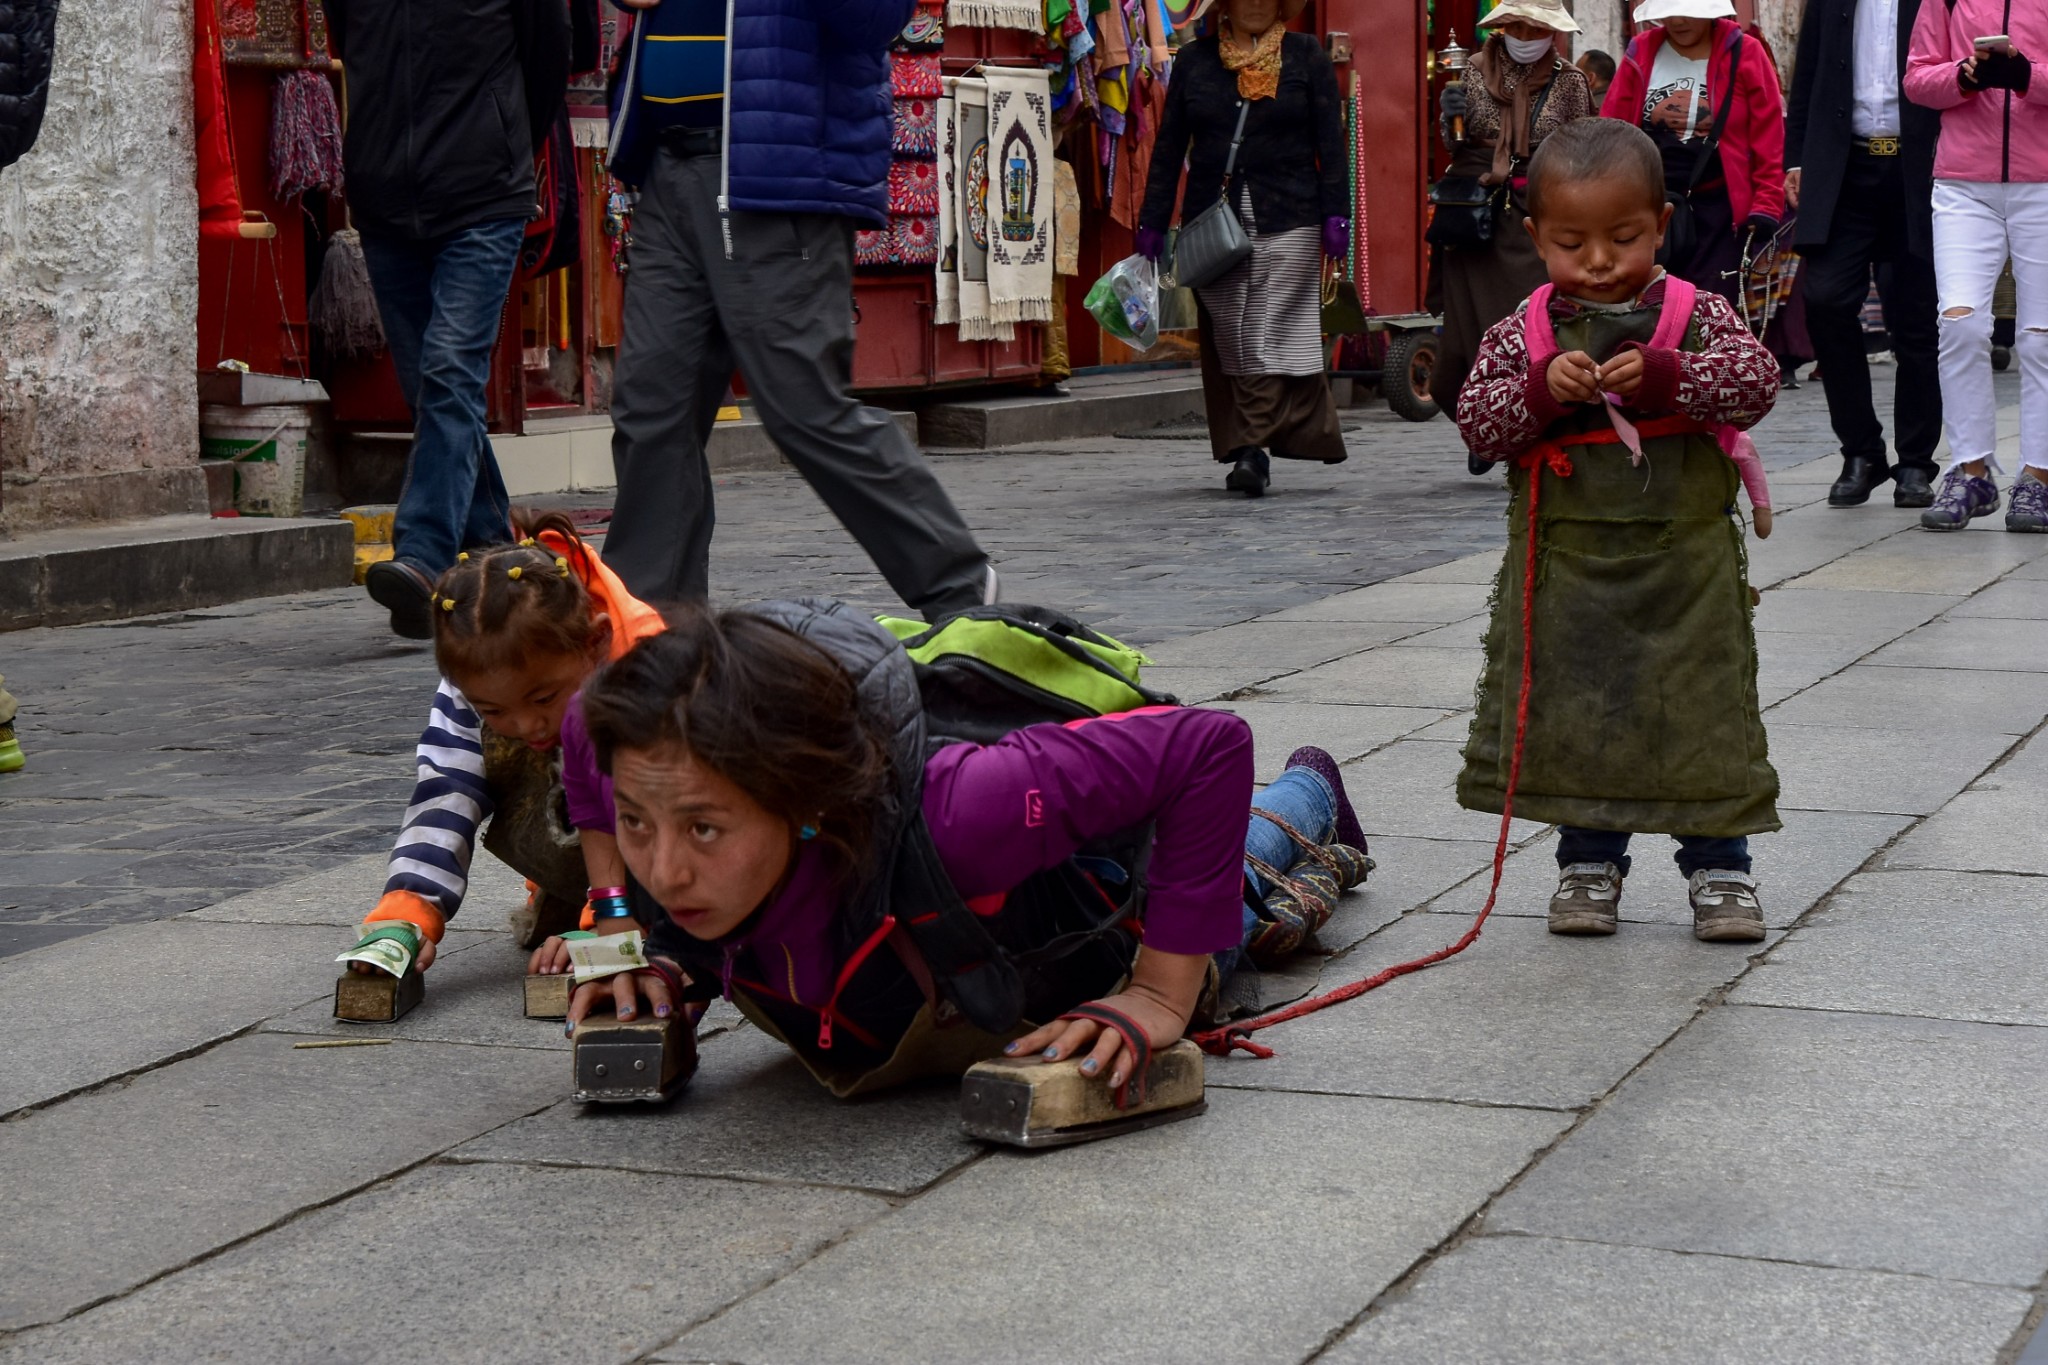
[[366, 555], [372, 523]]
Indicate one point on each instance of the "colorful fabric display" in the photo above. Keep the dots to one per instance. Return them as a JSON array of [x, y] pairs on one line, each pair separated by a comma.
[[870, 247], [1019, 195], [914, 131], [915, 75], [967, 225], [926, 31], [1024, 14], [914, 189], [914, 241]]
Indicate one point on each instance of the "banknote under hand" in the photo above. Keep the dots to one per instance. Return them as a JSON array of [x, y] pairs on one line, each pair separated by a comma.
[[389, 948], [606, 955]]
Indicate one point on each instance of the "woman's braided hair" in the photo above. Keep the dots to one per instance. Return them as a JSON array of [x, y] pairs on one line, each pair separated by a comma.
[[502, 605]]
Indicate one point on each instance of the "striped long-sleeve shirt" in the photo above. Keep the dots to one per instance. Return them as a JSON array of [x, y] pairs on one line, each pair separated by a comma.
[[429, 869]]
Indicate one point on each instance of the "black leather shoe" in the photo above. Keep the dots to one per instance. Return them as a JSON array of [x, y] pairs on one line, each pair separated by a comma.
[[1251, 473], [1860, 474], [1912, 488]]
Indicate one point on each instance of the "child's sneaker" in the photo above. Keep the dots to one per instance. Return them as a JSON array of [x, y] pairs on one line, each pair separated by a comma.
[[1963, 497], [2027, 509], [1724, 907], [11, 759], [1588, 899]]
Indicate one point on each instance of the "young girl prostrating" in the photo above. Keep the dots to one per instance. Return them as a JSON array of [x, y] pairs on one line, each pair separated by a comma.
[[517, 631]]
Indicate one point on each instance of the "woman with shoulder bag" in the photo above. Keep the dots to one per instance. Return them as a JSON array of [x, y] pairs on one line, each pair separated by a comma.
[[1254, 111], [1516, 92], [1708, 96]]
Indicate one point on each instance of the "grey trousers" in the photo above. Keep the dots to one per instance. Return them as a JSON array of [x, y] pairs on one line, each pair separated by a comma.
[[782, 308]]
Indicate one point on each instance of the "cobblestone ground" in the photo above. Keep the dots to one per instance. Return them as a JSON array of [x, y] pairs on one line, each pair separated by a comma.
[[1639, 1148]]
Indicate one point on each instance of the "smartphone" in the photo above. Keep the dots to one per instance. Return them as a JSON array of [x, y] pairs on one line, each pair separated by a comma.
[[1997, 42]]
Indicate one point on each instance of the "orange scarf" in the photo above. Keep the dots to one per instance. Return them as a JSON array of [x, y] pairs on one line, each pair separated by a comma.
[[1257, 66]]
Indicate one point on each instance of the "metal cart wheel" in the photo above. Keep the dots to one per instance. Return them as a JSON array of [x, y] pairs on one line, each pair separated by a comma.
[[1404, 374]]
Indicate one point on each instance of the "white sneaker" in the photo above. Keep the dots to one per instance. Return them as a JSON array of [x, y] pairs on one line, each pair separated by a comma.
[[1588, 899], [1725, 908]]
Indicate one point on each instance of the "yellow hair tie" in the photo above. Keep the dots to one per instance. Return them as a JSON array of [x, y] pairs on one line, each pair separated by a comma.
[[529, 541], [512, 572], [562, 563], [462, 558], [447, 604]]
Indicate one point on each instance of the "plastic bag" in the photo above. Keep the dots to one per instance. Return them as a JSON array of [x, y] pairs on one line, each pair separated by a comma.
[[1126, 301]]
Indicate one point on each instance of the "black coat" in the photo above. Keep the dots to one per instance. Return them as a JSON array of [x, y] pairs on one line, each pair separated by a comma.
[[28, 37], [1293, 150], [447, 101], [1817, 131]]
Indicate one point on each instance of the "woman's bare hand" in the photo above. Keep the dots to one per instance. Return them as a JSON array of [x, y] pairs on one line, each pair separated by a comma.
[[1106, 1053], [550, 959]]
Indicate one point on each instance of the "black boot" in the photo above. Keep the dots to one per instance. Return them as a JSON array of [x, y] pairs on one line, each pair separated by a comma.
[[1252, 472], [1860, 474], [1912, 487]]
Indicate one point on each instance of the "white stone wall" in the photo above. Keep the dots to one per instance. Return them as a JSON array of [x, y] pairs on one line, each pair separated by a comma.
[[99, 278]]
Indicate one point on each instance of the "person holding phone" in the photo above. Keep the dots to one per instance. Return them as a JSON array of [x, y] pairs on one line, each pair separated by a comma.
[[1972, 61]]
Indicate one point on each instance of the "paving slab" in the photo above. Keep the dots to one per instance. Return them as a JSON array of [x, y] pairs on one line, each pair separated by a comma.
[[1504, 1022], [985, 1267], [1409, 788], [1410, 872], [1790, 662], [1970, 642], [1281, 727], [1195, 686], [476, 995], [342, 895], [1877, 616], [1472, 570], [1910, 772], [1810, 538], [137, 1180], [1861, 1141], [1469, 633], [753, 1113], [1441, 678], [1400, 599], [1533, 1300], [1870, 950], [1277, 645], [93, 1008], [1904, 700], [1949, 565], [1990, 828], [458, 1262], [2012, 599]]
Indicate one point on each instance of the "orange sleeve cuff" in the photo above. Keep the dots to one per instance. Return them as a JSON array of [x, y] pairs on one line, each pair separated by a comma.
[[413, 909]]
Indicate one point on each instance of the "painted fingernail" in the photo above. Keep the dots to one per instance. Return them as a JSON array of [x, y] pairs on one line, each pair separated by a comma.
[[661, 1011], [1051, 1053], [568, 1030], [1089, 1066], [1009, 1048]]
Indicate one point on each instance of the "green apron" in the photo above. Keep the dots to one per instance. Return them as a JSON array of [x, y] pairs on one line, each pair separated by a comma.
[[1643, 711]]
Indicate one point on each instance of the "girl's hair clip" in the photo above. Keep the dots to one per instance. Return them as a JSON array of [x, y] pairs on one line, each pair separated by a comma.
[[562, 563], [447, 604], [512, 572], [528, 543], [462, 558]]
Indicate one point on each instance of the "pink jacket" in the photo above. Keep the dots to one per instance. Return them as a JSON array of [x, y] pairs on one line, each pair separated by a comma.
[[1986, 135]]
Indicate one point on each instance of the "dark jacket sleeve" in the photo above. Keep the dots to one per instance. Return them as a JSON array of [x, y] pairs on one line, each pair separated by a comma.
[[1169, 152], [541, 33], [865, 25], [1803, 71], [1331, 159], [337, 26]]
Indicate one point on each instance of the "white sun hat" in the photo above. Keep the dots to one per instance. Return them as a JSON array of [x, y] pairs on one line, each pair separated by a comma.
[[1650, 11], [1551, 14]]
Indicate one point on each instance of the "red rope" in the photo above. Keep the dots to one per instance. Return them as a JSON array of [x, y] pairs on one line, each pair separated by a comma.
[[1220, 1042]]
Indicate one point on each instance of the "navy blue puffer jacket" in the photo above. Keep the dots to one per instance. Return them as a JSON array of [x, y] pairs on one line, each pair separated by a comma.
[[808, 106], [28, 40]]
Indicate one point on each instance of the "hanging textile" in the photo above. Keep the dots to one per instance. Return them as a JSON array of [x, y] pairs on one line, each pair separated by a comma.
[[971, 225], [1066, 223], [1019, 190], [220, 196], [305, 135], [946, 294], [1024, 14]]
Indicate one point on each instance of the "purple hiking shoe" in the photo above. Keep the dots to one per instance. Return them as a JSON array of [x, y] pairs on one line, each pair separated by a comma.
[[2027, 508], [1319, 762], [1962, 498]]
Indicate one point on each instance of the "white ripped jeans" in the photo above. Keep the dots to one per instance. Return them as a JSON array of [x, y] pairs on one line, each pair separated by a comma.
[[1977, 224]]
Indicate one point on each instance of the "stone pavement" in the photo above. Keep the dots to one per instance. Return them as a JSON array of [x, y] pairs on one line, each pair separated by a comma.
[[1828, 1148]]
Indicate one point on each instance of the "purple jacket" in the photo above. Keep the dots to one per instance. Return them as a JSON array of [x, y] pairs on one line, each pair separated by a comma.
[[1001, 812]]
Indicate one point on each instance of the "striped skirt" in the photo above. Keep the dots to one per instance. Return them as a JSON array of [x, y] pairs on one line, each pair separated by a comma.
[[1268, 313]]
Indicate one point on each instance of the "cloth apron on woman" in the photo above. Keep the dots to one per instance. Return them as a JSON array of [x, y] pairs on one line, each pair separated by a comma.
[[1643, 710]]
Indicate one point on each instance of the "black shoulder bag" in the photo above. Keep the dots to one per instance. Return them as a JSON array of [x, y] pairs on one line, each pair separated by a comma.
[[1464, 207], [1212, 243], [1682, 233]]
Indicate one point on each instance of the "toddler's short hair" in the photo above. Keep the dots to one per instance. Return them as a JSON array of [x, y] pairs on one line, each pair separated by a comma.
[[1595, 149]]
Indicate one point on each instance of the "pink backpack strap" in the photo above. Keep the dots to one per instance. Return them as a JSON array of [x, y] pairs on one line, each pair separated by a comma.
[[1679, 298], [1537, 333]]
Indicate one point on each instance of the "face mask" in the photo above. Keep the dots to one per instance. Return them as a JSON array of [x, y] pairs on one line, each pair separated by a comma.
[[1527, 50]]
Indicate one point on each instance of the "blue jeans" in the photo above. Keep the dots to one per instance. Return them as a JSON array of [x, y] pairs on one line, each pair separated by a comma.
[[441, 300], [1303, 800], [1695, 853]]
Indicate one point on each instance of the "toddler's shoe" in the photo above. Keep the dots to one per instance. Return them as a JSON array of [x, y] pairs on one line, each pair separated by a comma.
[[11, 759], [2027, 510], [1724, 907], [1588, 899], [1963, 498]]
